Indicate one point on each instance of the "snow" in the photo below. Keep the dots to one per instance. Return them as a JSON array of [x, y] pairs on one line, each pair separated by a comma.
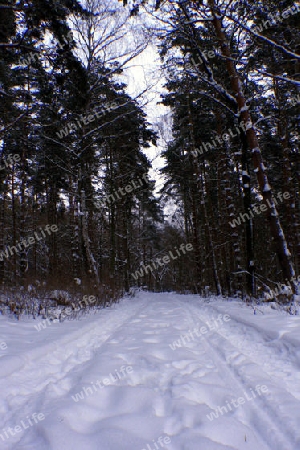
[[138, 391], [267, 187], [244, 108]]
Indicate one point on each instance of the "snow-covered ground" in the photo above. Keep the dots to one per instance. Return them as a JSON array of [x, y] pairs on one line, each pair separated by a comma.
[[155, 371]]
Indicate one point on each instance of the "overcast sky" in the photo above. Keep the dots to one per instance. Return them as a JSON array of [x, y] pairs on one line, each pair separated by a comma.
[[145, 72]]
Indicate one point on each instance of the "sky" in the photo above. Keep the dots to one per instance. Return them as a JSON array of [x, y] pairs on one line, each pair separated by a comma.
[[117, 37], [145, 71]]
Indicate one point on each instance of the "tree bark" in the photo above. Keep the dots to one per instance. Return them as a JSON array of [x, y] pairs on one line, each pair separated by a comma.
[[282, 250]]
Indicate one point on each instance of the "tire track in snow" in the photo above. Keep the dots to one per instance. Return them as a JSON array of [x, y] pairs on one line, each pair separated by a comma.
[[258, 351], [176, 383], [267, 419], [170, 383], [23, 391]]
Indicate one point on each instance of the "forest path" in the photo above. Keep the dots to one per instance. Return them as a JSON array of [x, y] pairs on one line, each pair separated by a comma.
[[147, 369]]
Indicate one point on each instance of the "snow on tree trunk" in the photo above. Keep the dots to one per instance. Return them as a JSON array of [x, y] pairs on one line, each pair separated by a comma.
[[282, 250]]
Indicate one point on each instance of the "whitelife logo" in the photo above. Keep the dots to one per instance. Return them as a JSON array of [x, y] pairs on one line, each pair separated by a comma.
[[88, 118], [3, 346], [207, 54], [101, 384], [282, 286], [166, 260], [67, 312], [111, 198], [260, 390], [8, 432], [10, 160], [296, 100], [162, 441], [34, 56], [206, 146], [262, 208], [25, 243], [216, 323], [278, 17]]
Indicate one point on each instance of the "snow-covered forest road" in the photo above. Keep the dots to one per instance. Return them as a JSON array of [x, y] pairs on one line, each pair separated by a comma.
[[155, 371]]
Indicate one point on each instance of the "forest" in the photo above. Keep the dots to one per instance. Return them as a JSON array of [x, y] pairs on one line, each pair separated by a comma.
[[82, 212]]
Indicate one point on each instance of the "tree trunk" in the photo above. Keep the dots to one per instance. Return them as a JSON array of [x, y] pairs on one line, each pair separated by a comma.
[[249, 225], [86, 240], [282, 251]]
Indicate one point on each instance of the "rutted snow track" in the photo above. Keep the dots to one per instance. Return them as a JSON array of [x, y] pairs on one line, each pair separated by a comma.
[[170, 393], [238, 353], [48, 366]]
